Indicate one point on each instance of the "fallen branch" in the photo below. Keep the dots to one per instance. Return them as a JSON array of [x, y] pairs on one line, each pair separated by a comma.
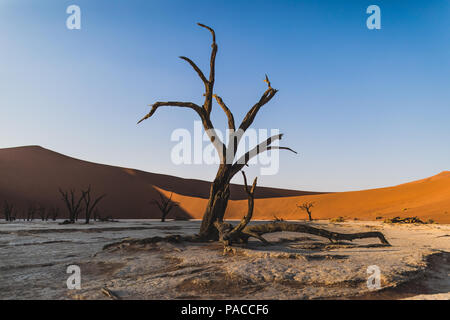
[[261, 229], [242, 232]]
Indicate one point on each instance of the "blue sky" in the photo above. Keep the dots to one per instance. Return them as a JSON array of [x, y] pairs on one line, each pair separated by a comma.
[[364, 108]]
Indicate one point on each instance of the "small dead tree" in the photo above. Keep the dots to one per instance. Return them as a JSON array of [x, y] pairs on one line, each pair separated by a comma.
[[8, 210], [306, 206], [165, 205], [90, 205], [53, 213], [42, 212], [30, 213], [15, 215], [72, 204], [97, 214]]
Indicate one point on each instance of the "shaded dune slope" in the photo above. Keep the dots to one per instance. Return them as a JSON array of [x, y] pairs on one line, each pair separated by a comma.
[[32, 175]]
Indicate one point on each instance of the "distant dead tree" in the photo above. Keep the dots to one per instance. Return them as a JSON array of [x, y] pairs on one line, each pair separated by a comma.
[[30, 213], [165, 205], [41, 211], [90, 205], [213, 226], [73, 204], [97, 215], [306, 206], [53, 213], [15, 215], [276, 219], [7, 210]]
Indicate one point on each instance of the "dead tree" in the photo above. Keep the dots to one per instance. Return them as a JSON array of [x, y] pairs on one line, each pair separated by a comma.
[[30, 213], [97, 215], [53, 213], [90, 205], [213, 226], [41, 211], [72, 204], [165, 205], [220, 191], [306, 206], [8, 210], [14, 215]]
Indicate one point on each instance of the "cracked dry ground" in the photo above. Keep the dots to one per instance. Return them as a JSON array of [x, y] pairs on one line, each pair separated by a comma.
[[292, 267], [35, 256]]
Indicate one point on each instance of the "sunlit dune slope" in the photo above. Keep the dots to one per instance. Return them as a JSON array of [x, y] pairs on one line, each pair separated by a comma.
[[428, 199]]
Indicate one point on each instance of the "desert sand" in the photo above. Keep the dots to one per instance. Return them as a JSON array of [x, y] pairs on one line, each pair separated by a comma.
[[35, 257], [32, 175]]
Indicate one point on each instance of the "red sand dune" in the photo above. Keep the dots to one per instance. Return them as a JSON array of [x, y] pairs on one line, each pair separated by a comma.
[[32, 175]]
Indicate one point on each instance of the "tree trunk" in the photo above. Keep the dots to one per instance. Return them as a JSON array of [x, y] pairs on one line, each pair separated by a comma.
[[217, 203]]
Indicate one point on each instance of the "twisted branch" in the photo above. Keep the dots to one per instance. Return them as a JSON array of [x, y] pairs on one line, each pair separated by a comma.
[[227, 111], [260, 148], [197, 69], [212, 67], [265, 98]]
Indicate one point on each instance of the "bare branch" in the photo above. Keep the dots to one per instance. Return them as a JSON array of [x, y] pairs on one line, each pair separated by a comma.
[[251, 202], [207, 124], [265, 98], [212, 67], [158, 104], [227, 111], [197, 69], [210, 29], [266, 80], [260, 148], [306, 205], [280, 148]]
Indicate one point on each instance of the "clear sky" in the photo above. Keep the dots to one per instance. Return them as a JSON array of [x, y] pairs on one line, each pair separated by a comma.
[[364, 108]]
